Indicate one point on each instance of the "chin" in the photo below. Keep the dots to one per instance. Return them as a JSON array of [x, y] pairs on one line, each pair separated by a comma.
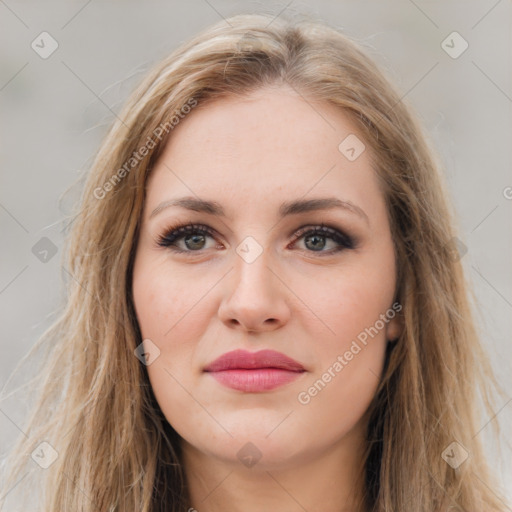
[[257, 453], [257, 442]]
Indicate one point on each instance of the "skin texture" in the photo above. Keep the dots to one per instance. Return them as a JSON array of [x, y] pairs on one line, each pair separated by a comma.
[[250, 154]]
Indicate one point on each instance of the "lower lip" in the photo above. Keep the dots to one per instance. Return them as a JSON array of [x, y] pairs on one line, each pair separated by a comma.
[[260, 379]]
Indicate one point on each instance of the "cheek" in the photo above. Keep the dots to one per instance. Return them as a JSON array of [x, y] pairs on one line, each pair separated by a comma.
[[350, 362], [168, 305], [169, 313], [335, 401], [355, 311], [348, 303], [353, 346], [161, 307]]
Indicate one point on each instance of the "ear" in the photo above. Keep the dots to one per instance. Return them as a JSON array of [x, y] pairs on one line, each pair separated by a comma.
[[395, 327]]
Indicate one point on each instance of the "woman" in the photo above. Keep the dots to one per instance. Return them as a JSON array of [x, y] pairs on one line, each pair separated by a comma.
[[266, 306]]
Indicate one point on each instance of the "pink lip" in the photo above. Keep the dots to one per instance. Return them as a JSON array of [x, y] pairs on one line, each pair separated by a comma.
[[254, 371]]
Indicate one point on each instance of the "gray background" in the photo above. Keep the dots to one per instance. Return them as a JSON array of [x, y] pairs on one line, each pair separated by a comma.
[[55, 112]]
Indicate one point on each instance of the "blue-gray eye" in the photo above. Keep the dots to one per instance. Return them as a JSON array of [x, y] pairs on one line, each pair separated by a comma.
[[316, 238], [195, 237]]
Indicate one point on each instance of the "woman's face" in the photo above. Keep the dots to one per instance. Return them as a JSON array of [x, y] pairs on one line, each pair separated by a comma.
[[260, 278]]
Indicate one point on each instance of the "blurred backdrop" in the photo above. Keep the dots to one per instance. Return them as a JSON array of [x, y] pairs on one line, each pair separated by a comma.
[[67, 67]]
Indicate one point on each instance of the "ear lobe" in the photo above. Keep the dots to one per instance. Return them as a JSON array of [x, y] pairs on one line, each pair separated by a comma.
[[394, 328]]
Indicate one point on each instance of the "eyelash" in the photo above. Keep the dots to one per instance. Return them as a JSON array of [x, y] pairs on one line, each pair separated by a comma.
[[174, 233]]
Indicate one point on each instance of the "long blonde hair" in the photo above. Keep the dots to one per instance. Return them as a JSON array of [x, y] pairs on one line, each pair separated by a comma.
[[115, 449]]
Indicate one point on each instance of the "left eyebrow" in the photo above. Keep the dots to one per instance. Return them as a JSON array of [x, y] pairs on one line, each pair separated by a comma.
[[324, 203], [287, 208]]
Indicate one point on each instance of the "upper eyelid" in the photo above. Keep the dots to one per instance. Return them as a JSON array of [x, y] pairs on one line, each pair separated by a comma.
[[212, 231]]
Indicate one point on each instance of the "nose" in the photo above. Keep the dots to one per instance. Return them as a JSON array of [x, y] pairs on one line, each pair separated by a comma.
[[256, 297]]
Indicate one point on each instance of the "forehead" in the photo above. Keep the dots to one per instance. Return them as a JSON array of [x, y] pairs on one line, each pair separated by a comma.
[[252, 152]]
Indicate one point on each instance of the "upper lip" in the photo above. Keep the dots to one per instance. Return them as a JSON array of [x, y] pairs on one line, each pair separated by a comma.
[[242, 359]]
